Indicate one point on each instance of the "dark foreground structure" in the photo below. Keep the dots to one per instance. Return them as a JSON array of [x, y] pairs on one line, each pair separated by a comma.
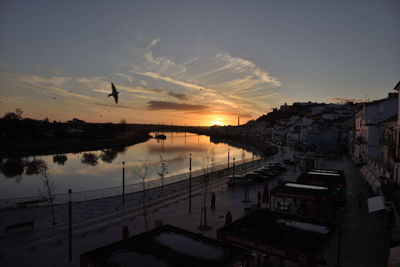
[[310, 201], [166, 246], [290, 239]]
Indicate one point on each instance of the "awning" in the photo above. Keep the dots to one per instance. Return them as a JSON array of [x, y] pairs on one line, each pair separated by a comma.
[[394, 257], [375, 204]]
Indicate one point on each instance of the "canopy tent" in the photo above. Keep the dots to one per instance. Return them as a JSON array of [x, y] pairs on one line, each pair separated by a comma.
[[394, 257], [376, 204]]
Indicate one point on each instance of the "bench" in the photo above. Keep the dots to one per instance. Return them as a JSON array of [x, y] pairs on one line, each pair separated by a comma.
[[22, 225]]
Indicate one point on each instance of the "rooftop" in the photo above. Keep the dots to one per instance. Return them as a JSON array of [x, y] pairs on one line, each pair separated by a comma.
[[165, 246], [281, 230]]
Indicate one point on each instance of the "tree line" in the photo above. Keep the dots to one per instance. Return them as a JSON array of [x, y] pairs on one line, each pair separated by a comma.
[[13, 125]]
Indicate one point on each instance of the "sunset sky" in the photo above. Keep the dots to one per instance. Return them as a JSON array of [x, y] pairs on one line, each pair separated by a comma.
[[192, 62]]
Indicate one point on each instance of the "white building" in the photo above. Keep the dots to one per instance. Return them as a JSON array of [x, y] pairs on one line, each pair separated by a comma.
[[367, 126]]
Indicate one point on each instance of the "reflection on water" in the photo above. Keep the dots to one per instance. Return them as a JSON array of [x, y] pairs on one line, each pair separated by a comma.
[[109, 155], [90, 159], [103, 168], [12, 167], [60, 159], [36, 166]]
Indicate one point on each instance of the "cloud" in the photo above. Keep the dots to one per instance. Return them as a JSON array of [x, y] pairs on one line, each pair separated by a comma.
[[165, 105], [190, 61], [153, 43], [162, 65], [125, 76], [243, 70], [170, 80], [178, 96], [143, 83]]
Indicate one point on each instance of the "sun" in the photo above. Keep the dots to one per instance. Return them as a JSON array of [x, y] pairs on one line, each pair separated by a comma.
[[217, 122]]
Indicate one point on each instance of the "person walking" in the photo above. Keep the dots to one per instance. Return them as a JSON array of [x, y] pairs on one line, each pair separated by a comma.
[[228, 218], [213, 201]]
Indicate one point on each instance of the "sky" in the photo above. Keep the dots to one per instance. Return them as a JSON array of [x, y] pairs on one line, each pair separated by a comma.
[[192, 62]]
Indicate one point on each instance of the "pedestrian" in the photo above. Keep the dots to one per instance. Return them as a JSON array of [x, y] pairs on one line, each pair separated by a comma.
[[360, 201], [125, 232], [228, 218], [213, 201]]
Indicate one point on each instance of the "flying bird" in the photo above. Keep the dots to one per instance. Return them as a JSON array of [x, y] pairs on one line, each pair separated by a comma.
[[114, 93]]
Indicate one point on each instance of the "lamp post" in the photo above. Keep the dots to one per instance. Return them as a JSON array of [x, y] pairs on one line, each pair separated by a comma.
[[228, 157], [123, 183], [70, 225], [190, 184], [233, 170]]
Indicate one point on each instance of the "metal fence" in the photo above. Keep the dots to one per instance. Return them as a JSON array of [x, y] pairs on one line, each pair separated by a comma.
[[219, 170]]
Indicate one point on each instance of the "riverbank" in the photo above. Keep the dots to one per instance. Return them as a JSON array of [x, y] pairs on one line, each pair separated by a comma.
[[364, 237], [15, 147]]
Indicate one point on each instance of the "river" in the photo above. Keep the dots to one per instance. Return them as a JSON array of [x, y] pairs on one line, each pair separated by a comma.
[[103, 168]]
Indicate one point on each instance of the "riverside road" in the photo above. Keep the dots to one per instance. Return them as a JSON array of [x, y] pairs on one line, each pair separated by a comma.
[[365, 238]]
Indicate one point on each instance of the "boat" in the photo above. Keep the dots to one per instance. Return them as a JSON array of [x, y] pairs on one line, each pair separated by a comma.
[[161, 136]]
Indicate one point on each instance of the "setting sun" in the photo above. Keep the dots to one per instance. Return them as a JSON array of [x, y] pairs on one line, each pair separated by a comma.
[[217, 122]]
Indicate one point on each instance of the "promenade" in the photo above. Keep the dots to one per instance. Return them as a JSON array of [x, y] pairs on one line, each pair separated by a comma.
[[365, 238]]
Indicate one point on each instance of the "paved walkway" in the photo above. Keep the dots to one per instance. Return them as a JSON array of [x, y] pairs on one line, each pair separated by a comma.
[[365, 239]]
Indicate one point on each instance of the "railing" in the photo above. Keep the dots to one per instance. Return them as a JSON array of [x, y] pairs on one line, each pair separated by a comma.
[[221, 169]]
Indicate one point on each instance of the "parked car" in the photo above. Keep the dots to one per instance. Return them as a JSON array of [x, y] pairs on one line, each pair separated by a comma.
[[269, 174], [239, 180], [257, 177], [277, 165], [274, 171]]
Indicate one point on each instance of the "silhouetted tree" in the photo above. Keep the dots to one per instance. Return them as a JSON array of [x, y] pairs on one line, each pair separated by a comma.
[[205, 157], [141, 172], [47, 193], [163, 171], [17, 115]]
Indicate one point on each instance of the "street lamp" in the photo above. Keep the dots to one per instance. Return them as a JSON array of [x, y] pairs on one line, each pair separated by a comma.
[[190, 184], [70, 225], [233, 170], [228, 157]]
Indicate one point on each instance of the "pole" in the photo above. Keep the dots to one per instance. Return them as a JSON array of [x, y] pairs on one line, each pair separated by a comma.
[[190, 184], [70, 225], [228, 157], [339, 246], [233, 170], [123, 183]]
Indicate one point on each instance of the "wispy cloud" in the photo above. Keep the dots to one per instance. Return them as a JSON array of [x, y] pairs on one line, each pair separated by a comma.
[[165, 105], [143, 83], [153, 43], [191, 60], [125, 76], [178, 96], [170, 80]]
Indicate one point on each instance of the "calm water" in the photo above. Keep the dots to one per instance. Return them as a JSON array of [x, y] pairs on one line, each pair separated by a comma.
[[100, 169]]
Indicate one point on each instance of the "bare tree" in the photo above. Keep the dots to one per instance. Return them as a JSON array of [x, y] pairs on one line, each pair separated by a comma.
[[212, 158], [141, 172], [205, 158], [163, 171], [49, 187], [244, 160]]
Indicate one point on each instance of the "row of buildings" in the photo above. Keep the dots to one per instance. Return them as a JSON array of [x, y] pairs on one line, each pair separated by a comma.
[[368, 131]]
